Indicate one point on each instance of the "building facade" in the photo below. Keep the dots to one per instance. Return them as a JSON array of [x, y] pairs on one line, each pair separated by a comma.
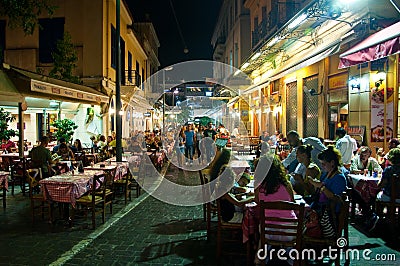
[[294, 67], [92, 27]]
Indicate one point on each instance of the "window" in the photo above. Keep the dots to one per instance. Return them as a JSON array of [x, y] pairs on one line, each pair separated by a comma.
[[113, 47], [50, 31], [130, 67], [2, 39], [122, 43]]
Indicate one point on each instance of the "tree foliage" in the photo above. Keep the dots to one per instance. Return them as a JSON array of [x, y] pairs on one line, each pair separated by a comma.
[[24, 13], [65, 129], [65, 60], [5, 119]]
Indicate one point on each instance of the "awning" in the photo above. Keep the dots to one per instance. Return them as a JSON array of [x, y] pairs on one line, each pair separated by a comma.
[[308, 61], [378, 45], [9, 95], [35, 85]]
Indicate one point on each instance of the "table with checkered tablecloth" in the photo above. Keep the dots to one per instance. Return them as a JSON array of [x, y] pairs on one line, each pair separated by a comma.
[[67, 187], [4, 179]]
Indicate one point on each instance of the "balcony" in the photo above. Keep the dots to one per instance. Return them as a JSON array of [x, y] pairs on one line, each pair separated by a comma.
[[131, 78]]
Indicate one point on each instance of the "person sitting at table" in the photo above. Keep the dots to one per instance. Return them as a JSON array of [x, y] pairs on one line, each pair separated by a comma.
[[78, 145], [385, 183], [41, 157], [240, 186], [332, 183], [382, 157], [363, 160], [275, 186], [65, 153], [306, 167], [295, 141], [231, 205], [7, 145]]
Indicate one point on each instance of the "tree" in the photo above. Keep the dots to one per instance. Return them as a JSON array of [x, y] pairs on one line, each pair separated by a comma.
[[25, 13], [65, 59], [65, 129], [5, 118]]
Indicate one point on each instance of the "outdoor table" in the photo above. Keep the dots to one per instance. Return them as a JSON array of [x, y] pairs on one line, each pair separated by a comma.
[[366, 186], [239, 166], [4, 185], [4, 179], [67, 187], [112, 169]]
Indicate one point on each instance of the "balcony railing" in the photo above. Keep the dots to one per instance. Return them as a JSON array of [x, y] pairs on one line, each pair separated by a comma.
[[131, 78]]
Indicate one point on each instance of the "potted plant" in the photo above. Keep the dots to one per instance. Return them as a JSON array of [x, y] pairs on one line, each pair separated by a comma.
[[5, 119], [65, 129]]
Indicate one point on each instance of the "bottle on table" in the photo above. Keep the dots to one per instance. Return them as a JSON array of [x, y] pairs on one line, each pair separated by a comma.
[[370, 169]]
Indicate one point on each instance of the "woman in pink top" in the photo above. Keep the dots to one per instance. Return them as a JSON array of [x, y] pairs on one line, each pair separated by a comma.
[[276, 187]]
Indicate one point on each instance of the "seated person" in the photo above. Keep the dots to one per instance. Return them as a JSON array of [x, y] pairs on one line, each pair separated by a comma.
[[363, 160], [41, 157], [7, 145], [231, 205], [275, 186], [332, 181], [385, 183], [65, 153], [305, 168], [240, 186]]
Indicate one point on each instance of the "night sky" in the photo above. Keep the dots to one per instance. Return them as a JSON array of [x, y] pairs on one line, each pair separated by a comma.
[[196, 18]]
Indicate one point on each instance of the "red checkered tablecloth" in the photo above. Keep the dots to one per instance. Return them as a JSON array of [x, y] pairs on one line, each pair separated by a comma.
[[67, 187], [4, 178]]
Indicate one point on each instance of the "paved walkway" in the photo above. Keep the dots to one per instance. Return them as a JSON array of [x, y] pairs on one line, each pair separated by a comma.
[[145, 232]]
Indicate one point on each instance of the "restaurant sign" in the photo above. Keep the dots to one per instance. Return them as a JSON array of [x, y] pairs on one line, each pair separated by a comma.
[[52, 89]]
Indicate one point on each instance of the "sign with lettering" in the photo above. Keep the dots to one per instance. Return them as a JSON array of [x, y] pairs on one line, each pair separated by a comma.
[[338, 81], [53, 89]]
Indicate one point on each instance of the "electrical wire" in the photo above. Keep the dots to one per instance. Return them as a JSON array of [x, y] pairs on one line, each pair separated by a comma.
[[185, 49]]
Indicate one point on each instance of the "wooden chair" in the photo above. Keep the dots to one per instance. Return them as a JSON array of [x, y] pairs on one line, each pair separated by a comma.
[[34, 175], [134, 184], [18, 175], [123, 185], [94, 202], [286, 232], [209, 209], [341, 224], [226, 226], [392, 206]]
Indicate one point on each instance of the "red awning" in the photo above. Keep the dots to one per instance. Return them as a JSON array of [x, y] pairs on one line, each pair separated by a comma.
[[380, 44]]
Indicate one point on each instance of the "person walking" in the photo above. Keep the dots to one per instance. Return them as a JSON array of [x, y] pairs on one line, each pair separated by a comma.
[[189, 144]]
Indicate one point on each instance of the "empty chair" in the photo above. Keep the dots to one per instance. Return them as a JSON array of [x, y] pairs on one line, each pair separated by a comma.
[[94, 202]]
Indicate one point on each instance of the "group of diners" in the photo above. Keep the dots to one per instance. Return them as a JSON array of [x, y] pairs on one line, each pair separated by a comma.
[[314, 171]]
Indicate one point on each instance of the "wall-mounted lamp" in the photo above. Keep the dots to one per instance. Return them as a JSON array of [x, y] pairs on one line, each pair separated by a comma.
[[380, 77], [354, 83]]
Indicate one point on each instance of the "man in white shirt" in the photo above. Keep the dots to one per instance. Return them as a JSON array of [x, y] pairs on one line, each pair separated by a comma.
[[294, 140], [345, 145]]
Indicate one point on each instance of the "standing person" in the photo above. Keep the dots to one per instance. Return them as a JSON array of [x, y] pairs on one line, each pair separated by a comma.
[[41, 157], [209, 133], [199, 137], [189, 144], [295, 141], [235, 132], [346, 145]]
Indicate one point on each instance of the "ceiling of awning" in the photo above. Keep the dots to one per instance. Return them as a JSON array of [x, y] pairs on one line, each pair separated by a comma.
[[25, 82], [9, 94], [378, 45]]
